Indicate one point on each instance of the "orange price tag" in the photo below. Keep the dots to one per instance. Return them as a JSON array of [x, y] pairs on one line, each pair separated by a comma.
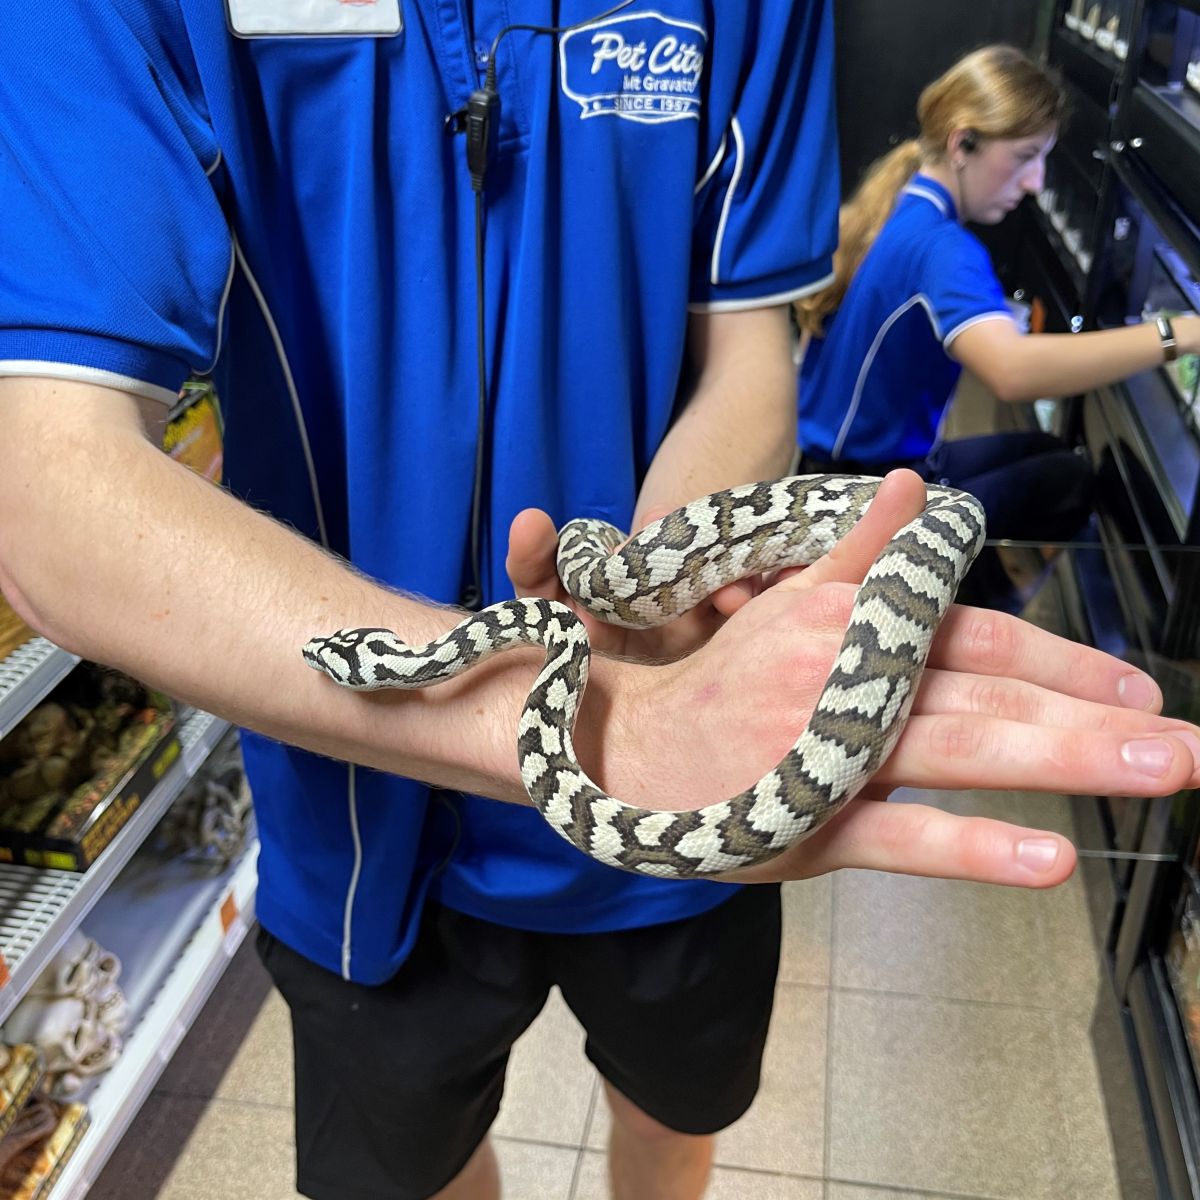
[[229, 913], [1037, 316]]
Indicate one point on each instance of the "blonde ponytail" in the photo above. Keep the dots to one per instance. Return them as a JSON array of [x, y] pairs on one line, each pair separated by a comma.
[[998, 92], [859, 223]]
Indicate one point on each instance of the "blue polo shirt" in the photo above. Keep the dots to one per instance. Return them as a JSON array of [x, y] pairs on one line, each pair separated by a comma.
[[875, 388], [288, 211]]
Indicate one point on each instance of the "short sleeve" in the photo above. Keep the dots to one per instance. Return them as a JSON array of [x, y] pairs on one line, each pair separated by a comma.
[[960, 284], [767, 205], [114, 252]]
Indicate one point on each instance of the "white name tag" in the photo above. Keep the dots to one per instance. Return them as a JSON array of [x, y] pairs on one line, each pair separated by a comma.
[[314, 18]]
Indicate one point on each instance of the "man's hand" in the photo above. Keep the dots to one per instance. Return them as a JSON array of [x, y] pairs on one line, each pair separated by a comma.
[[1002, 705], [531, 566]]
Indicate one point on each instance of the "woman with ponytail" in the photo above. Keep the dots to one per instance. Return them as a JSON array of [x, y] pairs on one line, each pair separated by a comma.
[[915, 299]]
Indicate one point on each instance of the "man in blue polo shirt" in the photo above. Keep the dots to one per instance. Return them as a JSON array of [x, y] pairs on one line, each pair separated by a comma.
[[274, 193], [279, 197]]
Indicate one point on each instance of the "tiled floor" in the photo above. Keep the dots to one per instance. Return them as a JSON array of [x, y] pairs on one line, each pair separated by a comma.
[[930, 1039]]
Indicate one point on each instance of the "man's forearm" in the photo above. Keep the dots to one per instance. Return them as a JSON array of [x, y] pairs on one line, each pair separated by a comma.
[[119, 554], [739, 425]]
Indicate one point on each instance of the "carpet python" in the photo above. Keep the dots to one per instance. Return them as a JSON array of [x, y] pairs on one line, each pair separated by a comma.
[[665, 570]]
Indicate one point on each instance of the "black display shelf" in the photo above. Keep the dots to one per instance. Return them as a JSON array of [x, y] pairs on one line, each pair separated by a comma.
[[1170, 1082], [1064, 277], [1084, 64], [1162, 137]]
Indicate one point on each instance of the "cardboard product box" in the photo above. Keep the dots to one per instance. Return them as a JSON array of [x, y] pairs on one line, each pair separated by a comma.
[[79, 765], [13, 631], [32, 1173], [21, 1073], [195, 431]]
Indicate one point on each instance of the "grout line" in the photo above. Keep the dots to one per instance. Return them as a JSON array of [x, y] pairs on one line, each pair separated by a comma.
[[919, 1193], [583, 1141], [576, 1173], [830, 1019], [212, 1098], [966, 1001], [758, 1172], [537, 1141]]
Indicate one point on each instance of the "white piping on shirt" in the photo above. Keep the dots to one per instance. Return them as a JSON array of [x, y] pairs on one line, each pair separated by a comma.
[[995, 314], [739, 162], [915, 189], [290, 381], [716, 306], [351, 773], [860, 382], [352, 888], [80, 374]]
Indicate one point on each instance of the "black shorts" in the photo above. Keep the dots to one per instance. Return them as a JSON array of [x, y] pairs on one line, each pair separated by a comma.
[[397, 1085]]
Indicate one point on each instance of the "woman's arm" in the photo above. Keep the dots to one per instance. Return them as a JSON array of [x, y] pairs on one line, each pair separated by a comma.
[[1018, 367]]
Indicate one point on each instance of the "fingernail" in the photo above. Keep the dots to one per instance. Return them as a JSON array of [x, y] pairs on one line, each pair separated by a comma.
[[1038, 854], [1137, 691], [1191, 741], [1151, 756]]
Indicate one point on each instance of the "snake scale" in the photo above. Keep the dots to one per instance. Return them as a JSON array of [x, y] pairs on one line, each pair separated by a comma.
[[666, 569]]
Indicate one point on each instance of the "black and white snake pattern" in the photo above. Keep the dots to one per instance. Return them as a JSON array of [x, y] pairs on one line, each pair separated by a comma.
[[667, 569]]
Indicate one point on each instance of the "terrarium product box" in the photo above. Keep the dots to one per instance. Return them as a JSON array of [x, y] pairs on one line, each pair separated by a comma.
[[20, 1074], [79, 765], [13, 631], [32, 1174]]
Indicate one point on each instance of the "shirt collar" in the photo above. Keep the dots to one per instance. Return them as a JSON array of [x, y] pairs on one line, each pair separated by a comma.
[[934, 192]]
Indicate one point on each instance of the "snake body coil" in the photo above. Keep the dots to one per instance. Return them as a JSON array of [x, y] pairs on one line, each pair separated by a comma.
[[664, 571]]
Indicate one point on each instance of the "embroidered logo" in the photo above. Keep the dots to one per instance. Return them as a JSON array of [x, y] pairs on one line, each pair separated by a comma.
[[644, 67]]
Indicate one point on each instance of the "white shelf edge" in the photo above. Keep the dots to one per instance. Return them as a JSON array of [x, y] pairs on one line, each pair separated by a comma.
[[200, 734], [124, 1088], [37, 666]]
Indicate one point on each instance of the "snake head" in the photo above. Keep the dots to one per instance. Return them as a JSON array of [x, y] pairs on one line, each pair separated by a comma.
[[340, 654]]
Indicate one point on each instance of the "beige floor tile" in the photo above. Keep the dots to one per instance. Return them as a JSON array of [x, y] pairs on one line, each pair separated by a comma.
[[807, 931], [727, 1184], [240, 1046], [550, 1083], [784, 1130], [963, 1098], [965, 941], [262, 1071], [529, 1171], [1087, 1144], [182, 1148]]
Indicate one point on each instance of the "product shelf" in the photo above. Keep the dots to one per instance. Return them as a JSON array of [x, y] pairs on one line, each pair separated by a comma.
[[40, 909], [28, 674], [165, 1020]]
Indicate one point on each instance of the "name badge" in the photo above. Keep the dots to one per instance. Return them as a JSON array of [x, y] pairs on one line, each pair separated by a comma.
[[314, 18]]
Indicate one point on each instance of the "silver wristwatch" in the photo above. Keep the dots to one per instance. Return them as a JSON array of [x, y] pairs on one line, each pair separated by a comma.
[[1170, 346]]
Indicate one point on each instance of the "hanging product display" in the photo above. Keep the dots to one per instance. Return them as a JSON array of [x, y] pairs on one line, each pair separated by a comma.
[[75, 1014], [77, 767]]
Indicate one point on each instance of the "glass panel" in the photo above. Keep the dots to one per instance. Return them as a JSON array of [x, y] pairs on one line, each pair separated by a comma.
[[1183, 969], [1142, 277], [1172, 61]]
